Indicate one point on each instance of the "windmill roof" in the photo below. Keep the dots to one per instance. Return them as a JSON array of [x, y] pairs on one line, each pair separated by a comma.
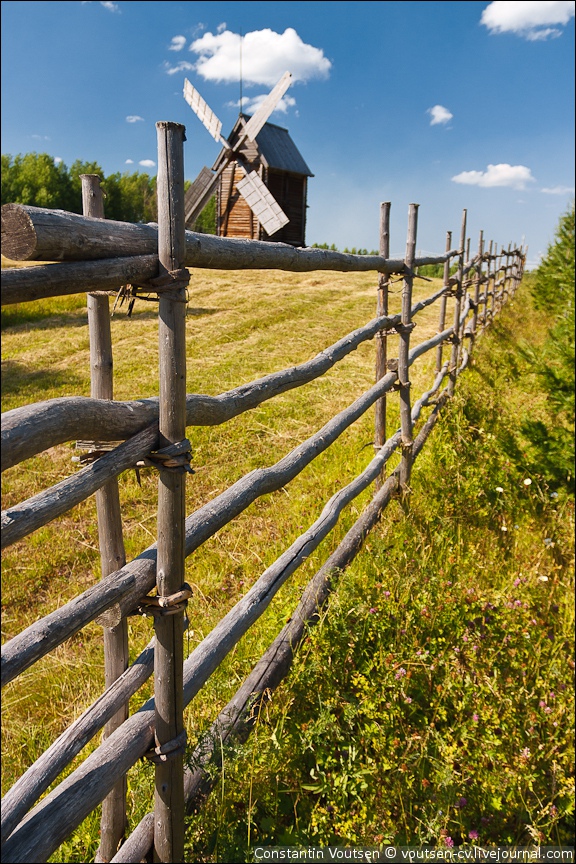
[[278, 150]]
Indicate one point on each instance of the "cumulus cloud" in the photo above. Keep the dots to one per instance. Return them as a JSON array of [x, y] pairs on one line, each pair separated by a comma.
[[177, 43], [183, 66], [266, 55], [112, 7], [514, 176], [251, 104], [559, 190], [129, 162], [439, 115], [147, 163], [532, 20], [134, 118]]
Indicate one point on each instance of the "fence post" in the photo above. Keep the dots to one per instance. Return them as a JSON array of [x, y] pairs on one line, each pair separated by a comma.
[[456, 341], [382, 337], [404, 350], [112, 553], [169, 628], [477, 284], [443, 301]]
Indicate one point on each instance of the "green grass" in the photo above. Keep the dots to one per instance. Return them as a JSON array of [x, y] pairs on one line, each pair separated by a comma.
[[412, 717]]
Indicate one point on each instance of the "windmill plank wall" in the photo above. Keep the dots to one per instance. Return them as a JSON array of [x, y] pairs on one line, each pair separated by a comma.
[[289, 190], [235, 219]]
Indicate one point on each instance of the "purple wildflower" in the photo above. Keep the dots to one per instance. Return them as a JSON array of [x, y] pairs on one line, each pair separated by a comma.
[[473, 835]]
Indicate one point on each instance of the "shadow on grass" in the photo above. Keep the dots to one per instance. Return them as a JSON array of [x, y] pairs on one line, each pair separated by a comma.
[[16, 378]]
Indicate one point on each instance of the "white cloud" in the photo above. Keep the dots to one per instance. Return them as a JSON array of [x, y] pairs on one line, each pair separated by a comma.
[[514, 176], [129, 162], [266, 55], [147, 163], [112, 7], [177, 43], [559, 190], [57, 160], [134, 118], [439, 115], [183, 66], [221, 27], [251, 104], [532, 20]]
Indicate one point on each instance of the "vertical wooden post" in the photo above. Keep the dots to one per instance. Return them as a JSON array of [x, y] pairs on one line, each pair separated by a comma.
[[404, 350], [477, 283], [457, 339], [112, 554], [169, 629], [443, 301], [489, 278], [382, 337]]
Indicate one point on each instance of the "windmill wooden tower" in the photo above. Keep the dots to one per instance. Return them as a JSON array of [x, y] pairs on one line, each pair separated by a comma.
[[259, 177]]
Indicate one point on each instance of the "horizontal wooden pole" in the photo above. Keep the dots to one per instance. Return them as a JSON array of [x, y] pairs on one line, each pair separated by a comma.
[[24, 518], [29, 430], [26, 284], [30, 786]]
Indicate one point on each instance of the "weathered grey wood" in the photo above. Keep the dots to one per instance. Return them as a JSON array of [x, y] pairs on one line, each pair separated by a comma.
[[30, 786], [29, 430], [25, 284], [381, 338], [43, 636], [169, 650], [443, 301], [458, 295], [23, 519], [404, 350], [141, 838], [55, 235], [112, 553]]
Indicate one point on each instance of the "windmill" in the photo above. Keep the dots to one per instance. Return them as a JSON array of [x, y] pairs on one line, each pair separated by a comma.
[[251, 187]]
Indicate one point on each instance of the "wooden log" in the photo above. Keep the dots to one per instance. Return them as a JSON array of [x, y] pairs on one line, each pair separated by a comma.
[[381, 338], [37, 234], [477, 283], [111, 542], [169, 650], [443, 301], [31, 429], [404, 350], [458, 297], [25, 284], [23, 519], [34, 782], [43, 636]]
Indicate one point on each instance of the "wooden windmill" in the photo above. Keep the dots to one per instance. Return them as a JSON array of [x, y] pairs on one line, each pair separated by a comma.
[[259, 175]]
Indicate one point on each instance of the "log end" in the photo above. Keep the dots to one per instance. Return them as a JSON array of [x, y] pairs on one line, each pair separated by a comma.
[[18, 234]]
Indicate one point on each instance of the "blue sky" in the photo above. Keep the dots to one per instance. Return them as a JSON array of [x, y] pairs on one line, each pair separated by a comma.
[[450, 105]]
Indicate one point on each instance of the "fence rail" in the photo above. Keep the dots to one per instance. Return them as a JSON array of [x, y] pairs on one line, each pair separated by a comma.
[[99, 256]]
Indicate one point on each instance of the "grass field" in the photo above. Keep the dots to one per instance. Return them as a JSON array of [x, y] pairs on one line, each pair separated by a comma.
[[447, 642]]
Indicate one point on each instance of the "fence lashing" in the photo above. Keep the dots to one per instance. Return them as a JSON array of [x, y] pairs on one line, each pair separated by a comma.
[[169, 248]]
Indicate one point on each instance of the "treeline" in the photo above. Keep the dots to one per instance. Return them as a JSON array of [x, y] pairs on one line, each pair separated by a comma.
[[38, 180]]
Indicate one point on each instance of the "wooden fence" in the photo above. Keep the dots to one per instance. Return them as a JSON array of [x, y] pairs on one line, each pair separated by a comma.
[[98, 256]]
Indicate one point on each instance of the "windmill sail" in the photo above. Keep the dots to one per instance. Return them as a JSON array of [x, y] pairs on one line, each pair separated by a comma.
[[262, 203], [203, 112], [199, 193], [258, 119]]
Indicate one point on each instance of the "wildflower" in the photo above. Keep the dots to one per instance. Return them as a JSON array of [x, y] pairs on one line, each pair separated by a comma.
[[461, 802], [525, 754], [543, 578], [553, 494], [475, 718], [387, 593], [517, 582], [400, 673], [473, 835], [528, 481], [475, 647], [504, 528], [548, 541], [408, 700], [499, 489], [373, 610], [542, 703], [449, 842]]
